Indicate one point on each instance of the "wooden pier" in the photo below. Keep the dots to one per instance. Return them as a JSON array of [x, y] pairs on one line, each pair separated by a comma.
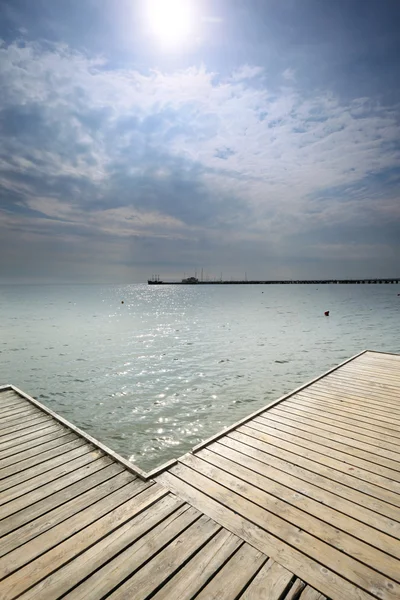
[[299, 501]]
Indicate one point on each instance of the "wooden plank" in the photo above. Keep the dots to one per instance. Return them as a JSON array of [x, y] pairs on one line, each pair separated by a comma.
[[340, 497], [46, 522], [369, 369], [14, 451], [34, 520], [12, 411], [58, 583], [355, 396], [16, 416], [295, 590], [386, 361], [357, 402], [74, 485], [37, 482], [43, 542], [366, 481], [253, 487], [56, 449], [38, 420], [17, 478], [367, 386], [359, 574], [288, 556], [338, 427], [361, 449], [188, 581], [26, 501], [352, 388], [320, 413], [11, 403], [165, 563], [375, 376], [230, 581], [25, 434], [390, 369], [311, 594], [360, 469], [19, 460], [271, 582], [103, 581], [349, 487], [61, 553], [307, 498], [356, 412]]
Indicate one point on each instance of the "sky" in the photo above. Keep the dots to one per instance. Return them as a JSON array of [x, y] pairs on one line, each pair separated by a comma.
[[166, 136]]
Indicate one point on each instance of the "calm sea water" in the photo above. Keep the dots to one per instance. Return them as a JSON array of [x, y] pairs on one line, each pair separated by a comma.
[[172, 365]]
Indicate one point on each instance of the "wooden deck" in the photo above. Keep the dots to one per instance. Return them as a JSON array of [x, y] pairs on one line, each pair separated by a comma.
[[300, 501]]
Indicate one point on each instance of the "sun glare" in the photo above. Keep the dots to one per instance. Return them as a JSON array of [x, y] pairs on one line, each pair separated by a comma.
[[170, 21]]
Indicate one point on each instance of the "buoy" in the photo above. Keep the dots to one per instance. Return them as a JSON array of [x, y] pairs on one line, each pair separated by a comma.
[[122, 301], [326, 313]]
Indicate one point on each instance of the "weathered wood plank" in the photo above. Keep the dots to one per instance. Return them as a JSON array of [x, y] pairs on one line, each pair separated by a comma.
[[301, 495], [166, 510], [270, 583], [33, 572], [353, 410], [378, 486], [167, 562], [36, 482], [194, 575], [351, 432], [356, 403], [80, 448], [295, 590], [15, 417], [346, 388], [89, 507], [294, 560], [334, 441], [349, 488], [14, 451], [27, 434], [181, 535], [26, 532], [26, 465], [38, 420], [27, 511], [234, 575], [251, 490], [320, 414], [20, 460]]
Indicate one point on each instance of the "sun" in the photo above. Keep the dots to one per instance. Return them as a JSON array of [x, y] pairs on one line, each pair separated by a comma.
[[171, 22]]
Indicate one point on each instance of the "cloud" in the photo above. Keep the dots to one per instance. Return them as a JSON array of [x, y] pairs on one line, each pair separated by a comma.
[[88, 149], [289, 74]]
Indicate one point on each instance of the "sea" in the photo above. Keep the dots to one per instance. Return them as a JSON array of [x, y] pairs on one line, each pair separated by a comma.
[[153, 370]]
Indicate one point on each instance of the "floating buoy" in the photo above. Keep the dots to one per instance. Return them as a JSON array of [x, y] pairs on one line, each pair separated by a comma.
[[326, 313], [122, 301]]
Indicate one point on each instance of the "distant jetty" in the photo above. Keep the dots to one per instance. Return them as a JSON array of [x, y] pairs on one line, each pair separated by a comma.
[[195, 281]]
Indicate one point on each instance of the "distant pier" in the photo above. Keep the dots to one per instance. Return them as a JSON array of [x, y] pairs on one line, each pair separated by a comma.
[[194, 281]]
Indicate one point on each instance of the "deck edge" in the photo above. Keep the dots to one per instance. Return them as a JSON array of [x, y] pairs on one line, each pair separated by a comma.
[[274, 403], [114, 455], [146, 476]]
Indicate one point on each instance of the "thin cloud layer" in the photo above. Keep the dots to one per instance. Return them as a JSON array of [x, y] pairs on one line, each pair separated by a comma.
[[129, 169]]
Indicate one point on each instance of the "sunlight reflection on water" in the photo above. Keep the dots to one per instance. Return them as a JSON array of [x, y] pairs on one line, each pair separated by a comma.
[[173, 365]]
